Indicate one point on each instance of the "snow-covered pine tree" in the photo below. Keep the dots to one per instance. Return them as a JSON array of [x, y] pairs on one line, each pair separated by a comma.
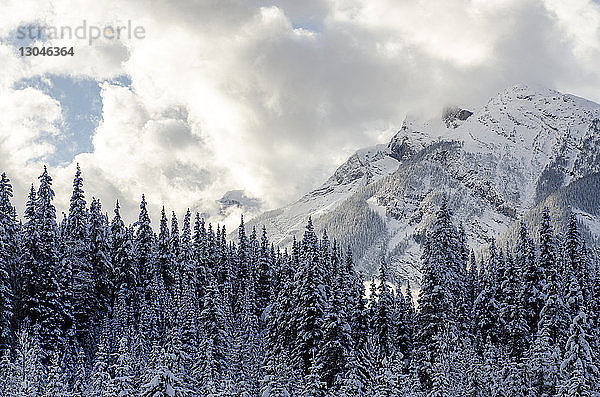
[[438, 299], [313, 386], [163, 266], [175, 248], [213, 341], [544, 363], [28, 369], [547, 260], [8, 379], [309, 303], [384, 318], [51, 293], [30, 267], [187, 308], [579, 372], [80, 373], [202, 251], [161, 379], [463, 285], [336, 345], [554, 315], [122, 260], [9, 288], [404, 328], [573, 269], [56, 384], [516, 331], [122, 382], [472, 290], [280, 332], [355, 303], [143, 249], [532, 280], [263, 279], [486, 308], [240, 271], [515, 381], [77, 257], [100, 377], [103, 272], [354, 382]]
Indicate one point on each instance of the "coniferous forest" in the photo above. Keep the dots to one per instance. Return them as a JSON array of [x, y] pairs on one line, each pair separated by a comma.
[[93, 307]]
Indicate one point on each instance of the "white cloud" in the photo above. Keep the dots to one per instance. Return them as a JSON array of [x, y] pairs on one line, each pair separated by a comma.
[[270, 97]]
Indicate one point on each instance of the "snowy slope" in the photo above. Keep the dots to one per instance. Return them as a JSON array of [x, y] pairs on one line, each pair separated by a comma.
[[361, 169], [495, 164]]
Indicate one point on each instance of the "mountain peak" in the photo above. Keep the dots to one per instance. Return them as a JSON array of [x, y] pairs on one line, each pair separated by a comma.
[[496, 163]]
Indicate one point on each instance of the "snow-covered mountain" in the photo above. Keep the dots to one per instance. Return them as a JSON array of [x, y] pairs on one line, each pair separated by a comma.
[[524, 149]]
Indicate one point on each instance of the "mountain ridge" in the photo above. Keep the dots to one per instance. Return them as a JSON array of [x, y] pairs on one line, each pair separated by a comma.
[[495, 163]]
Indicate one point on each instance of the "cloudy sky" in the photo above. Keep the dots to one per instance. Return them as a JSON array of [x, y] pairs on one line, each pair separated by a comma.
[[268, 97]]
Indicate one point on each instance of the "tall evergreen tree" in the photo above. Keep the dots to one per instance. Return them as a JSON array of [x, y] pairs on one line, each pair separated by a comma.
[[9, 272], [437, 301], [516, 331], [50, 292], [143, 247], [573, 269], [579, 370], [263, 279], [486, 308], [122, 383], [103, 272], [333, 354], [384, 319], [31, 270], [122, 259], [532, 280], [78, 259], [163, 256], [213, 340], [309, 302]]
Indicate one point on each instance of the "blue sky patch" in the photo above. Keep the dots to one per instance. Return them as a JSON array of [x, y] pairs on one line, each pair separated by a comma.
[[82, 110]]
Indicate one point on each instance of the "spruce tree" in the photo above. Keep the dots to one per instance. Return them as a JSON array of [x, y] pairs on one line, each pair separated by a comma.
[[10, 293], [143, 248], [122, 383], [28, 369], [543, 364], [29, 261], [532, 280], [309, 303], [163, 256], [384, 319], [573, 269], [516, 331], [50, 291], [438, 299], [486, 308], [122, 259], [103, 271], [579, 371], [100, 376], [161, 379], [332, 357], [213, 340], [78, 259], [263, 279]]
